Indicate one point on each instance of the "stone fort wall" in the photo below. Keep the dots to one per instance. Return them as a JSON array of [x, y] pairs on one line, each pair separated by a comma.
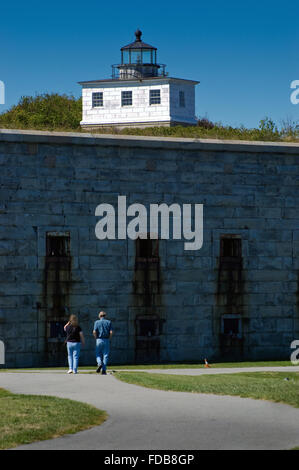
[[235, 298]]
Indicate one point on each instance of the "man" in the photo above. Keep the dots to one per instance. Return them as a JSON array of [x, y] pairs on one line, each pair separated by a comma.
[[102, 331]]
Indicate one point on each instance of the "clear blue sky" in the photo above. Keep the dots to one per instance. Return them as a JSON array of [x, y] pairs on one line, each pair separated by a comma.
[[245, 54]]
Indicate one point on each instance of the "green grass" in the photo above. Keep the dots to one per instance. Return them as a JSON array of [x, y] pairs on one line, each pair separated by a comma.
[[55, 112], [29, 418], [190, 365], [258, 385], [267, 131], [177, 365]]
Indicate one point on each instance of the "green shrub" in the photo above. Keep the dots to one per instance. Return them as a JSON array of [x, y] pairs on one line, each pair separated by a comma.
[[46, 112]]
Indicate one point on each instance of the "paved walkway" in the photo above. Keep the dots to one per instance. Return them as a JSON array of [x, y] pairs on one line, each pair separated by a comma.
[[141, 418], [199, 371]]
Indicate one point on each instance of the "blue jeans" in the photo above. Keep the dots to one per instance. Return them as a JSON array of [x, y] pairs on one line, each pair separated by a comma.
[[73, 350], [102, 352]]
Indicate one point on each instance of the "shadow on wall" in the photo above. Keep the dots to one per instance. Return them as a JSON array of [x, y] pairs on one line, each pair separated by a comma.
[[229, 307], [147, 299], [56, 294]]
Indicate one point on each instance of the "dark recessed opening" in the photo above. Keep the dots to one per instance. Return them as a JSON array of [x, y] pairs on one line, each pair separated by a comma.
[[231, 326], [148, 327], [147, 248], [58, 246], [57, 330], [230, 247]]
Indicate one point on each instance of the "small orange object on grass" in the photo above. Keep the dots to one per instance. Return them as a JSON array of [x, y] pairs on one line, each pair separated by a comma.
[[206, 363]]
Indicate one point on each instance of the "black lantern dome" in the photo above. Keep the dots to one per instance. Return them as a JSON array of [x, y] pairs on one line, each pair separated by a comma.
[[138, 60]]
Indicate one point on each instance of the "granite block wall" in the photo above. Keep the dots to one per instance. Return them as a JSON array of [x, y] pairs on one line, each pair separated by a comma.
[[235, 298]]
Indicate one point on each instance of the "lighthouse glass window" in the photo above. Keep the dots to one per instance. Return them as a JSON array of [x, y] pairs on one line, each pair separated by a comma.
[[155, 97], [126, 98], [147, 56], [136, 57], [97, 100]]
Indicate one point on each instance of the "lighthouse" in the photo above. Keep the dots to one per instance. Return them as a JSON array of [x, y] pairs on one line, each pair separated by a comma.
[[140, 93]]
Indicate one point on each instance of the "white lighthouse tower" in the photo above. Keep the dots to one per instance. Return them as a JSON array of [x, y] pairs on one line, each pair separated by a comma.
[[139, 94]]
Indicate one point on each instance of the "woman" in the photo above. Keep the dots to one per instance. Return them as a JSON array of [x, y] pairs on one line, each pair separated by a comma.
[[74, 339]]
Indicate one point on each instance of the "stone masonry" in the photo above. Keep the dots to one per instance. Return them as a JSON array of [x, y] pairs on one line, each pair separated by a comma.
[[235, 298]]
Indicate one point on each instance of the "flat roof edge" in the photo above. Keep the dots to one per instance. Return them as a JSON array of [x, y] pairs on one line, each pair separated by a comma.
[[136, 80], [180, 143]]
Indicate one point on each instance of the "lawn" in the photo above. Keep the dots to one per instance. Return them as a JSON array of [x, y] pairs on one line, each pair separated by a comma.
[[179, 365], [28, 418], [271, 386], [193, 365]]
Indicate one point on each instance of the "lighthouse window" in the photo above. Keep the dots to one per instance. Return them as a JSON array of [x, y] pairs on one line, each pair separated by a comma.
[[126, 98], [182, 99], [136, 57], [97, 100], [155, 97], [125, 57], [147, 56]]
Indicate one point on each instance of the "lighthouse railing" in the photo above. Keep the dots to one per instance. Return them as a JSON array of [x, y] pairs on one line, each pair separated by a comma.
[[129, 71]]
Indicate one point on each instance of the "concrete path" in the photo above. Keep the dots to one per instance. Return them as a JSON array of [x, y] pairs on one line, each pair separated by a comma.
[[141, 418], [199, 371]]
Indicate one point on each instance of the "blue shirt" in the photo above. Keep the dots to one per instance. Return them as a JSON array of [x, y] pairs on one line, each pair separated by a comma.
[[102, 328]]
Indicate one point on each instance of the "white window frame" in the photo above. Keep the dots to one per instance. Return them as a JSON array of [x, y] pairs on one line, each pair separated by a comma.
[[99, 99], [125, 99], [152, 99]]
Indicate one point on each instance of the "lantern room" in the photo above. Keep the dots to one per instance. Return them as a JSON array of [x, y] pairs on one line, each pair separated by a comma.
[[138, 60]]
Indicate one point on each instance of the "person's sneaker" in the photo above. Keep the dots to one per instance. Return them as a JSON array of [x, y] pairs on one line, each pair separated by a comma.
[[104, 372], [99, 369], [75, 372], [70, 371]]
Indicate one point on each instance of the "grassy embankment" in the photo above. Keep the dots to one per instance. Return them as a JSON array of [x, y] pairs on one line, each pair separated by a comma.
[[54, 112]]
